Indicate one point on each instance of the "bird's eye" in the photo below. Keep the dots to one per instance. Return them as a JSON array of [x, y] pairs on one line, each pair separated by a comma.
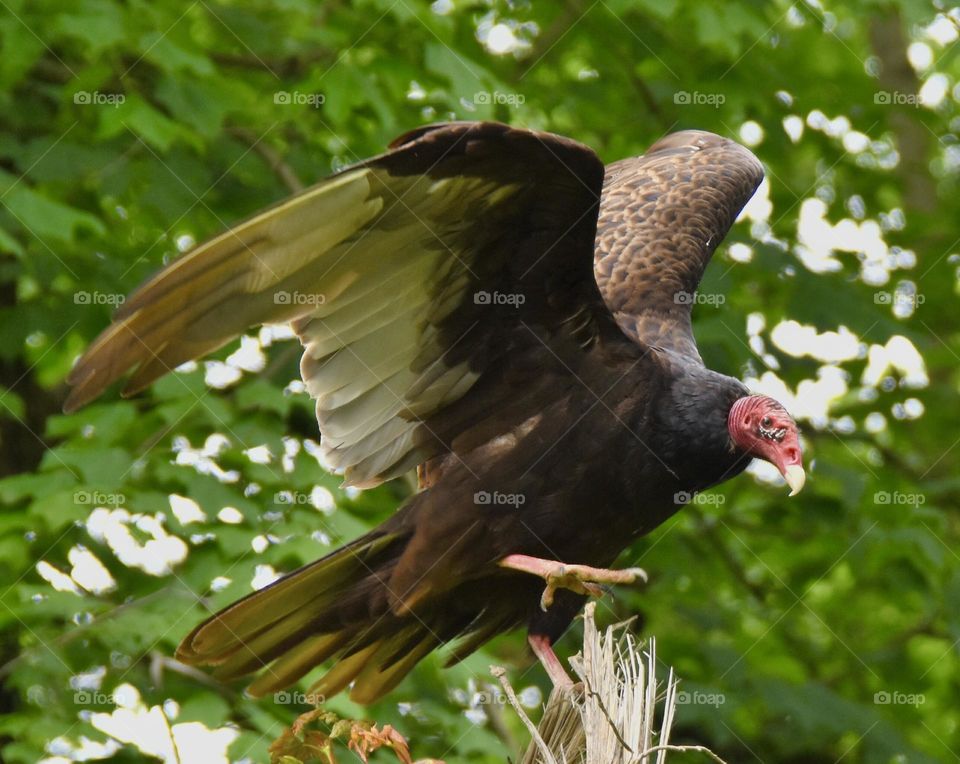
[[766, 422]]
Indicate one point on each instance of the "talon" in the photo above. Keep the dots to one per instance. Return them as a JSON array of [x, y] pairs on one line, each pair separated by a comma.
[[580, 579], [546, 599]]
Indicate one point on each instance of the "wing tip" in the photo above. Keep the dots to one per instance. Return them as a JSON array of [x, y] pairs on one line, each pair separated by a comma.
[[464, 126]]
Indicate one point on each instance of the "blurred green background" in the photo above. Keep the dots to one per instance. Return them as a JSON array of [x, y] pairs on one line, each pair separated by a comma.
[[815, 629]]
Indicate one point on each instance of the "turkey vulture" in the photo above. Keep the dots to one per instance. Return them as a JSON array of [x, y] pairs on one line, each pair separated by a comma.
[[493, 307]]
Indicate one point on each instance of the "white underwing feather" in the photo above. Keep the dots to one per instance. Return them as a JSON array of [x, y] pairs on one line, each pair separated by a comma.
[[373, 358]]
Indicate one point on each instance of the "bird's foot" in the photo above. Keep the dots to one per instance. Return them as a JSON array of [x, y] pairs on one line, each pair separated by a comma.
[[581, 579]]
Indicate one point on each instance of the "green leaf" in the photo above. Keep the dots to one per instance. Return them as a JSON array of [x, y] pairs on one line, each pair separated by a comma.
[[205, 707], [97, 23], [137, 116], [160, 49], [42, 216]]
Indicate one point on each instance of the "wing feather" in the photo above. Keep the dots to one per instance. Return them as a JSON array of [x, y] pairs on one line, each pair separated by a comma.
[[663, 215], [379, 269]]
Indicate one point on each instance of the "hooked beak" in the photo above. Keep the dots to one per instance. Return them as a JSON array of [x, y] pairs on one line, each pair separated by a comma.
[[787, 457], [795, 477]]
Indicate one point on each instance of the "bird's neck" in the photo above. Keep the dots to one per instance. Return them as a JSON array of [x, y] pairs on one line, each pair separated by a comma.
[[696, 441]]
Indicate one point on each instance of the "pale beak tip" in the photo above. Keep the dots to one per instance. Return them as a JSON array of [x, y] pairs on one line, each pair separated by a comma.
[[795, 477]]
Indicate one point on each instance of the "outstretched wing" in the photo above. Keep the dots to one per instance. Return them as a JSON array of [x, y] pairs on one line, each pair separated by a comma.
[[403, 275], [663, 215]]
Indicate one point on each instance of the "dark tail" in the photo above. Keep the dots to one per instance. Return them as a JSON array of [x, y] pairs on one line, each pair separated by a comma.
[[337, 607]]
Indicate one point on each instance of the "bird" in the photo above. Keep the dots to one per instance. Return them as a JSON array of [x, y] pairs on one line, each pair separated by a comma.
[[493, 308]]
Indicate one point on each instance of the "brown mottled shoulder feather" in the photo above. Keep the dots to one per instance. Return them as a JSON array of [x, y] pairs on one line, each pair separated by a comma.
[[662, 216]]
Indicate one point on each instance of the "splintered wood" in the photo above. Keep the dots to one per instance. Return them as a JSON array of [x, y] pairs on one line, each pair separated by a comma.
[[610, 715]]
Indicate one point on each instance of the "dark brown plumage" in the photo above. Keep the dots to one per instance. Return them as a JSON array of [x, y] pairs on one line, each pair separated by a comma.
[[464, 314]]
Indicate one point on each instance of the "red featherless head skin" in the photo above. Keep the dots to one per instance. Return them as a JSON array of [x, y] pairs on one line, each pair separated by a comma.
[[762, 428]]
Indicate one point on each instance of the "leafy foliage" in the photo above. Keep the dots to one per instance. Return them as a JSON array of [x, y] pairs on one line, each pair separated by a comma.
[[825, 627]]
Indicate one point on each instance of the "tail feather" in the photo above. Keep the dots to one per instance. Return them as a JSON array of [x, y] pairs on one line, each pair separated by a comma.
[[335, 607], [298, 662], [286, 607], [343, 672], [386, 668], [257, 653], [339, 608]]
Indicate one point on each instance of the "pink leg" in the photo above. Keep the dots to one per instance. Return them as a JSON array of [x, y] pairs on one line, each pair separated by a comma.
[[544, 651], [581, 579]]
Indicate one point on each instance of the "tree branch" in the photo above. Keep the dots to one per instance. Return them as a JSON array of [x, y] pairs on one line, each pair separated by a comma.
[[271, 156]]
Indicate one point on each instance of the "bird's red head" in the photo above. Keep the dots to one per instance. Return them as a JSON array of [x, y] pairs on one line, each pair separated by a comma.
[[762, 428]]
